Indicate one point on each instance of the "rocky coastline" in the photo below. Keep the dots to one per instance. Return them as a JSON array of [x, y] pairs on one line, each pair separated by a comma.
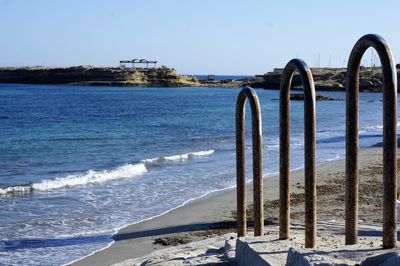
[[97, 76], [109, 76], [326, 79]]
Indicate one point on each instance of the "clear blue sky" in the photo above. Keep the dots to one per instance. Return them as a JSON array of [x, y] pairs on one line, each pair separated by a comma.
[[192, 36]]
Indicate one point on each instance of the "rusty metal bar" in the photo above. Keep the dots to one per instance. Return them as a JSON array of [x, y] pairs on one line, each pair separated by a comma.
[[248, 93], [389, 139], [309, 151]]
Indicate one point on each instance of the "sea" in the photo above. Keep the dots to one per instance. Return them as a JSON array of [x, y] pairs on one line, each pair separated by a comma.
[[220, 77], [78, 163]]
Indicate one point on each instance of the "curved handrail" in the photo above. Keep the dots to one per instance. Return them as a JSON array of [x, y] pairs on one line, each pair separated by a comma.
[[309, 151], [389, 138], [249, 93]]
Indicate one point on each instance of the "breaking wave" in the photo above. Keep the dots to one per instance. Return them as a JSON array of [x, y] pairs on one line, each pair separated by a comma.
[[90, 177], [176, 158], [93, 176]]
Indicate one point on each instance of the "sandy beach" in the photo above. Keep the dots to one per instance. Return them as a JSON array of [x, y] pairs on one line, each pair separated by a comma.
[[215, 214]]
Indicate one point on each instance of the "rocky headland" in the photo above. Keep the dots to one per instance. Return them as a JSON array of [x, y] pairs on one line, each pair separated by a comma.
[[325, 79], [97, 76]]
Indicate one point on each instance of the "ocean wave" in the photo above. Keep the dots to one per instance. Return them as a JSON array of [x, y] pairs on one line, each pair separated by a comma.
[[374, 128], [176, 158], [295, 142], [16, 190], [338, 139], [93, 176], [336, 157], [371, 128], [271, 145], [90, 177]]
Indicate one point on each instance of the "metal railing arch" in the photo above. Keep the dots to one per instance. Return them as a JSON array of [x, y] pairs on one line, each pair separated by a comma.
[[309, 151], [250, 94], [389, 139]]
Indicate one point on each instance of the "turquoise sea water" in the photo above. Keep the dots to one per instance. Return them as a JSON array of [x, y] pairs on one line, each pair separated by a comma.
[[77, 163]]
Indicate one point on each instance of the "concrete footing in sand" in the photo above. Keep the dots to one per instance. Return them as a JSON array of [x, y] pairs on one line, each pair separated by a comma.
[[330, 250]]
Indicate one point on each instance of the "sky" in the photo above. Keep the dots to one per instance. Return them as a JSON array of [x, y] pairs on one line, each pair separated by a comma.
[[193, 36]]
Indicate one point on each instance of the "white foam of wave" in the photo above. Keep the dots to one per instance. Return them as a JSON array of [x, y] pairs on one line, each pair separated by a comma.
[[293, 143], [176, 158], [271, 145], [374, 128], [15, 190], [336, 157], [91, 176], [371, 128]]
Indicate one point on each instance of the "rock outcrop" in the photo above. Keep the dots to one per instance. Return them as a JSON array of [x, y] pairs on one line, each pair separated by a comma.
[[100, 76], [325, 79], [318, 97]]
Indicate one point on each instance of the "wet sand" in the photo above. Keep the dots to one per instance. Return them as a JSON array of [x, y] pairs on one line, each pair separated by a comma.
[[215, 214]]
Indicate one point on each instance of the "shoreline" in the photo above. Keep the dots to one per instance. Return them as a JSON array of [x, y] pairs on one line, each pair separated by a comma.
[[212, 215], [205, 196], [326, 79]]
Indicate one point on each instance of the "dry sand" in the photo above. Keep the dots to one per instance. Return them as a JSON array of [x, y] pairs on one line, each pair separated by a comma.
[[215, 215]]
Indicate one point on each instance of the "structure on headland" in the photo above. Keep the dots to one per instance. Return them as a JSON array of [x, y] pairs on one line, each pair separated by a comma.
[[138, 61]]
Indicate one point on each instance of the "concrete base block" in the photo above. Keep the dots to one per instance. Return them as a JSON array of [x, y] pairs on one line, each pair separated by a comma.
[[330, 250], [245, 255]]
